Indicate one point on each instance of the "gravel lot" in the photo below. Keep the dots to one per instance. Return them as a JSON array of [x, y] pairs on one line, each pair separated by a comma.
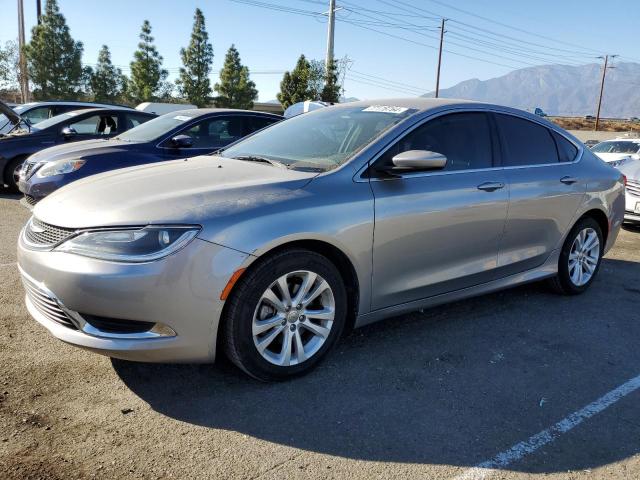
[[426, 395]]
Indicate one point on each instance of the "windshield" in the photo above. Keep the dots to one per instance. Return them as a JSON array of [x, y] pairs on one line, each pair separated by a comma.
[[154, 128], [616, 147], [323, 139], [49, 122]]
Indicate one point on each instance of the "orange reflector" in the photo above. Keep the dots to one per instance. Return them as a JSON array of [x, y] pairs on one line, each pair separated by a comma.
[[232, 281]]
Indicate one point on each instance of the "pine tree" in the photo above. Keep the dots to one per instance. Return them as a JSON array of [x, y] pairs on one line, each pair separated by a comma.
[[106, 80], [296, 86], [147, 74], [197, 58], [235, 89], [331, 90], [54, 58]]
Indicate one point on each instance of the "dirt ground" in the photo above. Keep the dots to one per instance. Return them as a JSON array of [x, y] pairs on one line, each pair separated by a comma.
[[425, 395]]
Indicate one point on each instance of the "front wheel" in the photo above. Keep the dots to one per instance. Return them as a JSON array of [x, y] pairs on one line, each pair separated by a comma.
[[284, 315], [580, 258], [12, 173]]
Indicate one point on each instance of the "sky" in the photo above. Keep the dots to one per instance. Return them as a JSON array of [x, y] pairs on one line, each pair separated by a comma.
[[391, 44]]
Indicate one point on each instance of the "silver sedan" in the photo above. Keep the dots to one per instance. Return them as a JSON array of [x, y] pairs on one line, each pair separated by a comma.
[[327, 221]]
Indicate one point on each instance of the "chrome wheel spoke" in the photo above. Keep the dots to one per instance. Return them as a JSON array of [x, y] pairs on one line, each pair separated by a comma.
[[262, 326], [283, 285], [300, 355], [324, 314], [307, 283], [322, 332], [285, 351], [268, 340], [270, 297], [321, 287]]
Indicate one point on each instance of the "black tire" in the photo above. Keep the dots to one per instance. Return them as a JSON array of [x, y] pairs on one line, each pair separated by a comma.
[[562, 283], [9, 171], [236, 329]]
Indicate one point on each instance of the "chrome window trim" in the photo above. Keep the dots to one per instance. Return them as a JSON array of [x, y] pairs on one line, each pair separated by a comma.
[[428, 116]]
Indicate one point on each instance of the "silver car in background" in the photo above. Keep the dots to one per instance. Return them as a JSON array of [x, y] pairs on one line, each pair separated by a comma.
[[327, 221]]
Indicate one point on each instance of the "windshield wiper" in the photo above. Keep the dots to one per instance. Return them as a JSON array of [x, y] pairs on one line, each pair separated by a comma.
[[257, 158]]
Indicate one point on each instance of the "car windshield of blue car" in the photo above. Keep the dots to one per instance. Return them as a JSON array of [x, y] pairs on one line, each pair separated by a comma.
[[321, 140], [58, 119], [155, 128]]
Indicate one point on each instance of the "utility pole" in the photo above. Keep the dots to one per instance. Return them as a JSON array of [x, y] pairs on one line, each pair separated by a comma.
[[330, 33], [440, 57], [604, 74], [24, 81], [39, 9]]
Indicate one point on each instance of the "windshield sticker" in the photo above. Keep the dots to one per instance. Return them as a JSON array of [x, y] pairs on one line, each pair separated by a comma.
[[385, 109], [182, 118]]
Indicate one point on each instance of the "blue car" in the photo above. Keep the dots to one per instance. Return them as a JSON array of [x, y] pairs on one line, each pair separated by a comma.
[[175, 135]]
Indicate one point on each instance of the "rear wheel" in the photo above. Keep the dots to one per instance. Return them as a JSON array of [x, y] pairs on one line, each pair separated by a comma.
[[284, 315], [580, 258], [12, 173]]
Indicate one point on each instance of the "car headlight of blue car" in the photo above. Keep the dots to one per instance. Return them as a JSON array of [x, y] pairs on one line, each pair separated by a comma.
[[60, 167]]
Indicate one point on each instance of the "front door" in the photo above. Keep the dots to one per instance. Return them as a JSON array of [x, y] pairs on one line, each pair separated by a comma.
[[439, 231]]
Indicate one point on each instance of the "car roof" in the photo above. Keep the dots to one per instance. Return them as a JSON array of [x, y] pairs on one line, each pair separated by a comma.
[[109, 109], [198, 112], [72, 103], [417, 103]]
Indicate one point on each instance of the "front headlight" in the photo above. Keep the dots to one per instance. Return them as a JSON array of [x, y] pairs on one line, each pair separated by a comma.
[[132, 244], [59, 167]]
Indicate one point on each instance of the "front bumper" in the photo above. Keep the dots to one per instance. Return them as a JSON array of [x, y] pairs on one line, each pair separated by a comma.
[[179, 295], [632, 203]]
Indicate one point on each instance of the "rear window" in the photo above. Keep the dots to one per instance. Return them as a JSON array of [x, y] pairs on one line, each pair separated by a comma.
[[525, 142], [567, 151]]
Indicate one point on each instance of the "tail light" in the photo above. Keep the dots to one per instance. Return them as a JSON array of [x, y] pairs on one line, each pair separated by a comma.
[[624, 180]]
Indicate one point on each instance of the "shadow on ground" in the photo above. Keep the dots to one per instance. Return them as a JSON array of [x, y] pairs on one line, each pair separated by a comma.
[[454, 385]]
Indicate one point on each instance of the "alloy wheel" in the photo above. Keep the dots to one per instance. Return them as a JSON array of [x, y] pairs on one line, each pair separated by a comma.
[[293, 318], [584, 256]]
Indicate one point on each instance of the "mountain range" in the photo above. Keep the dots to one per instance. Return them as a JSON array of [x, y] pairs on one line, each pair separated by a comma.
[[559, 89]]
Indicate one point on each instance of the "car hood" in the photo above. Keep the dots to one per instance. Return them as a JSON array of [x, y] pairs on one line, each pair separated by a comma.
[[83, 149], [612, 157], [631, 170], [196, 190]]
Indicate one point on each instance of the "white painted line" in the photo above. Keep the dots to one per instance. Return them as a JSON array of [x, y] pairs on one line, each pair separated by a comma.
[[518, 451]]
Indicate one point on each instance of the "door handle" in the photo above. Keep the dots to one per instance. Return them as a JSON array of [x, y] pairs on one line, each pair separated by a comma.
[[568, 180], [490, 186]]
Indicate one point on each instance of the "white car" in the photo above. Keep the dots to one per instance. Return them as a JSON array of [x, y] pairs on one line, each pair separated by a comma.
[[631, 170], [618, 151]]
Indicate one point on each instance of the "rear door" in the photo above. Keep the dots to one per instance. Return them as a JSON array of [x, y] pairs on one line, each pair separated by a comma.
[[546, 188], [439, 231]]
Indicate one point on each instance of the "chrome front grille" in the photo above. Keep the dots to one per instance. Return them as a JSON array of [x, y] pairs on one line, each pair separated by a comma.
[[45, 235], [30, 200], [633, 187], [28, 170], [46, 305]]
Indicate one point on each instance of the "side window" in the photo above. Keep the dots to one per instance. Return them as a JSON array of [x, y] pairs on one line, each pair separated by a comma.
[[37, 114], [96, 125], [464, 138], [133, 120], [567, 151], [525, 142], [215, 132], [258, 123]]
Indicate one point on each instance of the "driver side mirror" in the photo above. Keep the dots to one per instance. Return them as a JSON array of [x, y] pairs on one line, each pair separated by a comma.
[[68, 132], [416, 161], [182, 141]]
